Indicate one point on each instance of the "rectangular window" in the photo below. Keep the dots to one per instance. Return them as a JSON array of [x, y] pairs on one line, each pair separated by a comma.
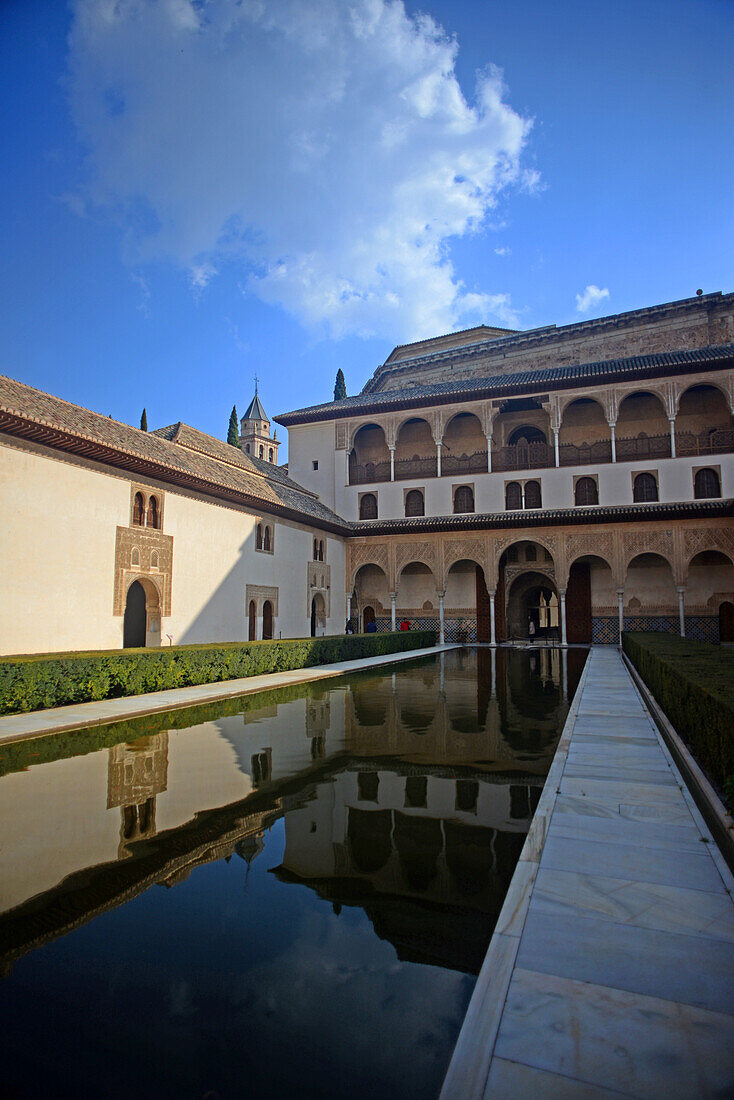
[[315, 464]]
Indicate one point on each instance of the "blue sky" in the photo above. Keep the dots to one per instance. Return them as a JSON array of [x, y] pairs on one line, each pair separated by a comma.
[[197, 192]]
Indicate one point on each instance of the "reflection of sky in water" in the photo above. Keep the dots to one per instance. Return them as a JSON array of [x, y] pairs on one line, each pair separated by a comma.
[[231, 981]]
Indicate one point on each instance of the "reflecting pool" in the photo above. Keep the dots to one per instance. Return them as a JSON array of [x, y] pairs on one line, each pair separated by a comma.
[[287, 894]]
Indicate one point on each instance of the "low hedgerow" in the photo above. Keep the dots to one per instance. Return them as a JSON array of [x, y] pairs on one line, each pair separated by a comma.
[[35, 682], [694, 684]]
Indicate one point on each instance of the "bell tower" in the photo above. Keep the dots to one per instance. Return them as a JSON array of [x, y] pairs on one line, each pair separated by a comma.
[[255, 437]]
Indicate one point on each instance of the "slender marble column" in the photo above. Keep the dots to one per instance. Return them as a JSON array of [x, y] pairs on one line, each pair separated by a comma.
[[393, 597], [681, 611], [672, 436], [612, 428], [562, 594], [493, 659], [440, 618], [556, 446], [438, 459], [489, 454], [392, 464], [349, 609], [492, 629], [620, 612]]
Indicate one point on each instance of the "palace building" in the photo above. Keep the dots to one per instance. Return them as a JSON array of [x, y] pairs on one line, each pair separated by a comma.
[[556, 484]]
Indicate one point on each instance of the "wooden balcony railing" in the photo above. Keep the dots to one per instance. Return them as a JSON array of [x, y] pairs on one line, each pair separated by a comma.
[[368, 472], [523, 456], [415, 467], [464, 464], [643, 446], [717, 442], [584, 454]]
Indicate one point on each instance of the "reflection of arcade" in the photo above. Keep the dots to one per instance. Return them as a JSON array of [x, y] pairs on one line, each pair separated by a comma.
[[136, 773]]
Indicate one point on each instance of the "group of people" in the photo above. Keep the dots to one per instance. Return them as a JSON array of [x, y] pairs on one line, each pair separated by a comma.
[[371, 627]]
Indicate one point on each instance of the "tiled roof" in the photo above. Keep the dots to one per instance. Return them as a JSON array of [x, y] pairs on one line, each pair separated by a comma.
[[196, 460], [507, 385], [545, 517], [255, 411]]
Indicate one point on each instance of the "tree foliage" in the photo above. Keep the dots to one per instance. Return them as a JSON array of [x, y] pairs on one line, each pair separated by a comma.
[[233, 435], [144, 421], [340, 386]]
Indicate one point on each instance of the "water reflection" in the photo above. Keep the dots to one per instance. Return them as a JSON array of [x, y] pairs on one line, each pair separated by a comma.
[[402, 798]]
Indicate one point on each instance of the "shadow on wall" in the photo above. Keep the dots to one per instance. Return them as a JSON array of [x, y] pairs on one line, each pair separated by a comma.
[[223, 616]]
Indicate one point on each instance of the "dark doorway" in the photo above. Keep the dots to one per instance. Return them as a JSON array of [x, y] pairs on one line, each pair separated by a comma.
[[368, 616], [313, 617], [726, 622], [578, 603], [252, 622], [483, 608], [500, 615], [267, 619], [133, 632]]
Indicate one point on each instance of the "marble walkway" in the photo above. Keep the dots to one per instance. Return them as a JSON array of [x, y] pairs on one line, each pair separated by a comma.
[[38, 723], [611, 970]]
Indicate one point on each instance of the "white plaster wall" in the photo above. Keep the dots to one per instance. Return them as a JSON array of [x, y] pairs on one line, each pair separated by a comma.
[[309, 443]]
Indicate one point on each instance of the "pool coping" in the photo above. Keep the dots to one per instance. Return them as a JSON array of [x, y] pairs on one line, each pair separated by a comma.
[[103, 712]]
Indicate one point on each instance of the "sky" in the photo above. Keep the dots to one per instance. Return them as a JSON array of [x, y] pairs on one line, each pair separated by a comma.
[[198, 192]]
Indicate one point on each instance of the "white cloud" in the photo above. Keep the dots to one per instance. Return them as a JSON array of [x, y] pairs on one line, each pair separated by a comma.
[[503, 251], [590, 298], [326, 147]]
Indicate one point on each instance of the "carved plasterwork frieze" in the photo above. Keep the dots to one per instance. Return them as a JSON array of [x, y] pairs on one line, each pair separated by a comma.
[[367, 553], [471, 549], [407, 552], [142, 553], [260, 593], [577, 545], [319, 580], [642, 541], [341, 435], [701, 538], [545, 568]]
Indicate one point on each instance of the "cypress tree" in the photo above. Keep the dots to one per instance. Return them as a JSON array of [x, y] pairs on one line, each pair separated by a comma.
[[144, 422], [340, 386], [233, 434]]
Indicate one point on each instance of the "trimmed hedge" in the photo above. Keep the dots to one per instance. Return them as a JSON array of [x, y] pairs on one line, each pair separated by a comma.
[[694, 684], [35, 682]]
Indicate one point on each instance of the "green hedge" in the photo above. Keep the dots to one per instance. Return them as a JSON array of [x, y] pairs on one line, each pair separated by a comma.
[[694, 684], [35, 682]]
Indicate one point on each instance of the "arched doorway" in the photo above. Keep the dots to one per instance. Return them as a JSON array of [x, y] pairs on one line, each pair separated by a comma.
[[318, 614], [134, 624], [252, 622], [726, 623], [466, 603], [267, 620], [533, 600], [368, 616]]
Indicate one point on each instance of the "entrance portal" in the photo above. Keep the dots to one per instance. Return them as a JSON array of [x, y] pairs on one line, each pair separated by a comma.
[[267, 619], [134, 623], [532, 608]]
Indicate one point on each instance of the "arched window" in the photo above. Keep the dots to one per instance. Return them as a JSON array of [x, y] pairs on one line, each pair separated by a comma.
[[270, 455], [135, 556], [138, 510], [259, 537], [463, 499], [513, 496], [532, 494], [262, 452], [252, 621], [587, 491], [247, 448], [152, 512], [321, 550], [154, 559], [267, 540], [315, 549], [368, 506], [706, 484], [414, 503], [645, 489]]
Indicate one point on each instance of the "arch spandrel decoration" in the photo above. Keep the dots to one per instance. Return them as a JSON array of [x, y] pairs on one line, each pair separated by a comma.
[[499, 545], [700, 539], [650, 542], [367, 554], [407, 552], [465, 549], [602, 545]]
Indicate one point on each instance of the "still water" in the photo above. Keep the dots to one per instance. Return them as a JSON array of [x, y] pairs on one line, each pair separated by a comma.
[[285, 895]]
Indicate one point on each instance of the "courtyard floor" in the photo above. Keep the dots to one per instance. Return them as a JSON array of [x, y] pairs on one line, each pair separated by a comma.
[[611, 969]]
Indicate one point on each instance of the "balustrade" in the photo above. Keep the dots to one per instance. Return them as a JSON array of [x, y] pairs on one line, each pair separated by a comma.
[[643, 446], [523, 456], [415, 467], [368, 472], [464, 464], [584, 454], [716, 442]]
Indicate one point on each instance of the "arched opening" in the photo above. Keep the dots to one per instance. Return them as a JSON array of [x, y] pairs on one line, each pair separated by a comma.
[[414, 504], [259, 537], [318, 615], [520, 436], [643, 429], [138, 510], [584, 435], [709, 584], [703, 425], [644, 488], [135, 620], [154, 559], [591, 585], [135, 557], [267, 619], [532, 607], [247, 448], [586, 492], [321, 549], [370, 594], [417, 702], [369, 459], [261, 452], [463, 499], [532, 495], [267, 539], [464, 448], [513, 496], [726, 622], [152, 520], [416, 593], [252, 622], [415, 451], [368, 506], [650, 597], [526, 435], [706, 484], [270, 455], [466, 603]]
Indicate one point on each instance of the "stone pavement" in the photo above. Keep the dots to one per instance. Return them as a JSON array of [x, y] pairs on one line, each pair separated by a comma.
[[38, 723], [611, 970]]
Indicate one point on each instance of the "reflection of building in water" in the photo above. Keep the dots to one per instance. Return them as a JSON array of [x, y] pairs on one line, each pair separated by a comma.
[[137, 771], [406, 844]]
